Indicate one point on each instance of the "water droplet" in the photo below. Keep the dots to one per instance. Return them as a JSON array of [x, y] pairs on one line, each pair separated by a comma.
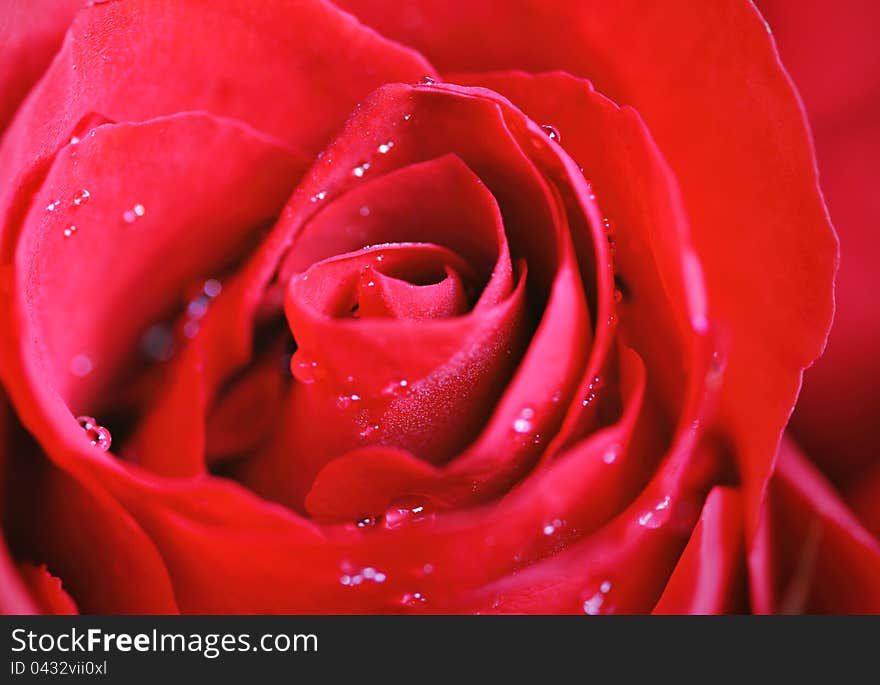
[[74, 140], [593, 605], [305, 370], [551, 131], [385, 148], [212, 287], [317, 197], [427, 81], [428, 569], [715, 372], [407, 117], [657, 517], [52, 205], [523, 424], [556, 396], [610, 455], [364, 211], [405, 510], [346, 401], [369, 431], [129, 216], [69, 231], [80, 365], [395, 387], [82, 197], [605, 586], [139, 210], [98, 435], [552, 527], [413, 599], [361, 169], [367, 521]]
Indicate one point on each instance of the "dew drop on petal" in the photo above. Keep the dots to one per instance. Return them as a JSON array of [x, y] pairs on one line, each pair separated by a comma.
[[317, 197], [551, 131], [80, 365], [657, 517], [385, 148], [593, 605], [523, 423], [427, 81], [405, 510], [98, 435], [370, 430], [364, 211], [69, 231], [366, 521], [82, 197], [361, 169], [413, 599]]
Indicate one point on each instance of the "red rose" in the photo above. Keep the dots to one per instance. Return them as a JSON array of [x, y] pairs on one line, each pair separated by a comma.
[[397, 311]]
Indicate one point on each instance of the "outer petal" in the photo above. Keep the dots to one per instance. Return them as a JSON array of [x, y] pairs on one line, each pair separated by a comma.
[[710, 576], [810, 554], [32, 31], [830, 49], [706, 79]]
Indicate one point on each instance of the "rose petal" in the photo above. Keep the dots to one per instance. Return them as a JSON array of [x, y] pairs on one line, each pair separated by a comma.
[[710, 576], [47, 590], [732, 131]]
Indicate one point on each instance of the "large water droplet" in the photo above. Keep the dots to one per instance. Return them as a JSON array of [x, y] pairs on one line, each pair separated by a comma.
[[69, 231], [385, 148], [98, 435], [551, 131], [405, 510], [361, 169]]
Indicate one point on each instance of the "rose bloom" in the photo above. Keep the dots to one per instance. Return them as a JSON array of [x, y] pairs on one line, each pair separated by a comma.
[[490, 307]]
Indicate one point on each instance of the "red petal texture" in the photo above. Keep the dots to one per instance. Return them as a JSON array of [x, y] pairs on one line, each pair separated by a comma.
[[762, 234], [32, 32], [710, 576], [830, 50]]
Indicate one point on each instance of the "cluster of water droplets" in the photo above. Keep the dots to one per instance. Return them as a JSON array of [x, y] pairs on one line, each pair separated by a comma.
[[96, 434], [592, 392], [593, 605]]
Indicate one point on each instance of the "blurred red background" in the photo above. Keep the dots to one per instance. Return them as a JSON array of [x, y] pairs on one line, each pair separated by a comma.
[[830, 49]]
